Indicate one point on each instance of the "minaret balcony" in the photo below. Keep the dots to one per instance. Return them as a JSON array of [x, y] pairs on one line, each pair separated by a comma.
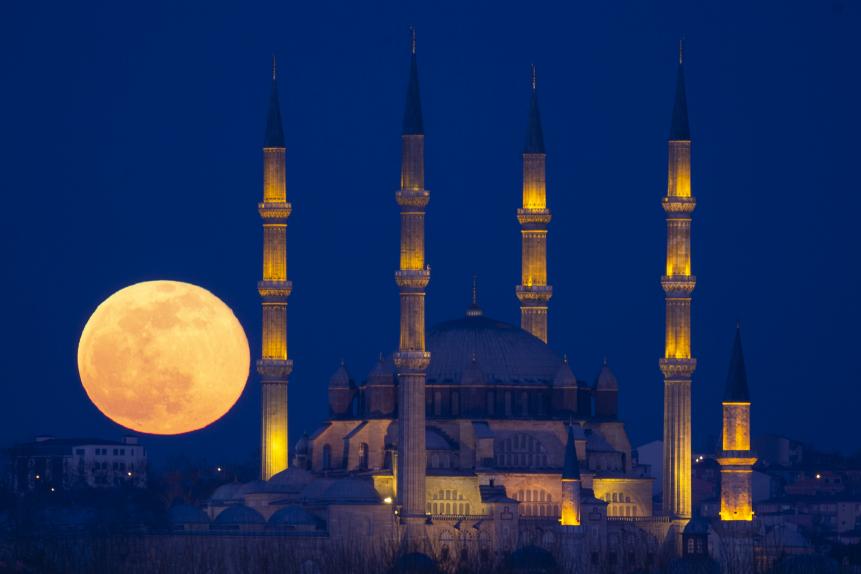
[[411, 362], [412, 199], [274, 291], [274, 370], [679, 207], [412, 280], [678, 285], [678, 369], [533, 218], [274, 212], [534, 295]]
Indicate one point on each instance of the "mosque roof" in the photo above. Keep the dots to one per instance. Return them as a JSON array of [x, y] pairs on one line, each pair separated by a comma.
[[351, 491], [505, 353]]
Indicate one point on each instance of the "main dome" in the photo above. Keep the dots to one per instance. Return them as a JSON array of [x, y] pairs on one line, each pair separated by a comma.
[[503, 352]]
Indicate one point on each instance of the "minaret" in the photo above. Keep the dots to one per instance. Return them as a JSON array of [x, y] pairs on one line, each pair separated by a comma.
[[571, 483], [678, 365], [533, 292], [412, 358], [736, 459], [274, 366]]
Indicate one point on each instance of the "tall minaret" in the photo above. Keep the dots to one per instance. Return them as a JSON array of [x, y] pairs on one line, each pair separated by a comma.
[[274, 366], [412, 358], [678, 365], [533, 292], [736, 459]]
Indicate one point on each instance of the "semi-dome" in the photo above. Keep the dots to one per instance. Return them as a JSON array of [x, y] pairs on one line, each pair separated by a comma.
[[507, 354]]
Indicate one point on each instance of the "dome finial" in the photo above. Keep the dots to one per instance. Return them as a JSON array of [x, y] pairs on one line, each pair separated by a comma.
[[605, 360], [534, 79], [412, 39], [682, 50], [565, 359], [274, 68], [474, 310]]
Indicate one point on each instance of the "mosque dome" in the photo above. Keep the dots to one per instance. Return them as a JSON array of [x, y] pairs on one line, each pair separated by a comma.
[[291, 479], [239, 514], [226, 491], [506, 354]]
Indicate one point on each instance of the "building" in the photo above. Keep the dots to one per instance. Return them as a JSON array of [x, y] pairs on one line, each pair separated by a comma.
[[475, 438], [50, 463]]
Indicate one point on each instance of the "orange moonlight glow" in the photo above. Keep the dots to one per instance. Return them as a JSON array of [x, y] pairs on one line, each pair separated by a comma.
[[163, 357]]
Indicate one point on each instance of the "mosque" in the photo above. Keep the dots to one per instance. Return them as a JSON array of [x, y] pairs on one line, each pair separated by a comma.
[[475, 438]]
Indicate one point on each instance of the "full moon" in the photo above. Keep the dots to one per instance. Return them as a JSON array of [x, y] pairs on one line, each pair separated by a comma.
[[163, 357]]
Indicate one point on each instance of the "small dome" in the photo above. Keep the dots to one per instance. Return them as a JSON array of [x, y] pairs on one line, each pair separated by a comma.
[[383, 373], [340, 379], [293, 515], [187, 514], [302, 444], [564, 376], [239, 514], [226, 491], [472, 374], [606, 379], [252, 487], [291, 479], [351, 490]]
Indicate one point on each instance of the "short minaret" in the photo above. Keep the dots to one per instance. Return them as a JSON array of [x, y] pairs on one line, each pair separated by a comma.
[[274, 366], [678, 365], [412, 359], [570, 483], [736, 459], [533, 292]]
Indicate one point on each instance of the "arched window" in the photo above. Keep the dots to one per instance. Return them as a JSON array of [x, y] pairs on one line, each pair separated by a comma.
[[520, 451], [363, 456], [327, 457]]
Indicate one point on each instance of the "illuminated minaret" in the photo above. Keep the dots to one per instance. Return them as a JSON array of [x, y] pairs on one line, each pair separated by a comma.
[[736, 459], [533, 292], [678, 365], [274, 366], [412, 358], [570, 483]]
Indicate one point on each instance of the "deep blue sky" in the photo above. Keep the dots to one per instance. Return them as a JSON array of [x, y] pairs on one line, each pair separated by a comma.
[[131, 138]]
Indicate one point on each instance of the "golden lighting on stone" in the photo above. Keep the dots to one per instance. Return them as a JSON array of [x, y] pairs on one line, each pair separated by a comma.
[[163, 357]]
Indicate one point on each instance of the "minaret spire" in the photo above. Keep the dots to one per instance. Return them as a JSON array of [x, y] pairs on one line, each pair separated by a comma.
[[736, 458], [412, 359], [677, 364], [533, 292], [274, 365]]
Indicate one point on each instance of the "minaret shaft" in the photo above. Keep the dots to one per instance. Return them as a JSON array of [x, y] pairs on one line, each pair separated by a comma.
[[274, 365], [678, 365]]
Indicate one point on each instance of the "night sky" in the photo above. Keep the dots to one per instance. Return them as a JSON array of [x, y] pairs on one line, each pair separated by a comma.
[[131, 137]]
